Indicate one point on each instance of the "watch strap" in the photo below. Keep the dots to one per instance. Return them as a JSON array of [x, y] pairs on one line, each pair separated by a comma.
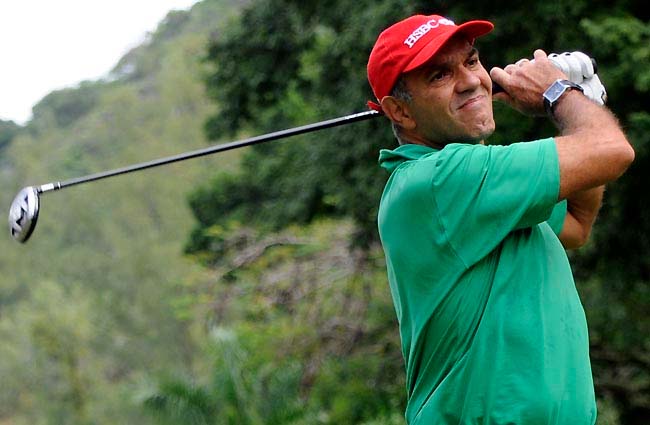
[[555, 91]]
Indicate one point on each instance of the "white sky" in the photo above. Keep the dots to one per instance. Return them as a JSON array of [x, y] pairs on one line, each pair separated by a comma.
[[51, 44]]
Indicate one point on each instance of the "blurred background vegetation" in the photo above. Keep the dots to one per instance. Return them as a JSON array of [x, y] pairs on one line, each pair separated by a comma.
[[249, 288]]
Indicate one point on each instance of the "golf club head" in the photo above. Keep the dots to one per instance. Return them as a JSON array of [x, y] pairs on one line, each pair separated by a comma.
[[23, 214]]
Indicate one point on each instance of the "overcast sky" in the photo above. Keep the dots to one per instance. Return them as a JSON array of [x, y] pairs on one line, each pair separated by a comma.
[[47, 45]]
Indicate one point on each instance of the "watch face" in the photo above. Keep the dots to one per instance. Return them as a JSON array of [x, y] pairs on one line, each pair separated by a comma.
[[555, 91]]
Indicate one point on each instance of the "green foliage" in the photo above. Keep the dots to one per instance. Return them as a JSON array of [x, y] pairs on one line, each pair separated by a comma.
[[616, 270], [282, 74], [290, 350], [66, 106], [235, 393], [251, 90], [45, 354], [86, 307], [8, 130], [177, 403]]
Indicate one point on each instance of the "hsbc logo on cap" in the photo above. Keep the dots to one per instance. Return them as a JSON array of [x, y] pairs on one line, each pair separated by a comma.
[[425, 28]]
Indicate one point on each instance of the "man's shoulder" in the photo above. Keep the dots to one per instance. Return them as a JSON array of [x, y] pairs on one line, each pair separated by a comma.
[[481, 154]]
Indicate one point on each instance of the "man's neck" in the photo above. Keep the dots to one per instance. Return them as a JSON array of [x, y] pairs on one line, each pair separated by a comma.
[[416, 139]]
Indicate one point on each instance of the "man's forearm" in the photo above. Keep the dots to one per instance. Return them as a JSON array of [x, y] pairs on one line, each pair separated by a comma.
[[585, 204], [592, 147], [582, 209]]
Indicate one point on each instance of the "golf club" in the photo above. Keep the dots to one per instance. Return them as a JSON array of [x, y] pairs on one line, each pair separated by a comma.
[[24, 210]]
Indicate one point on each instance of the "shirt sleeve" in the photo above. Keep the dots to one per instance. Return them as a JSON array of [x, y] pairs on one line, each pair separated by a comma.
[[482, 193], [556, 220]]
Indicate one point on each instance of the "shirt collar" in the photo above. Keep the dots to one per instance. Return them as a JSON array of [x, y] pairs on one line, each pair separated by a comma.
[[391, 159]]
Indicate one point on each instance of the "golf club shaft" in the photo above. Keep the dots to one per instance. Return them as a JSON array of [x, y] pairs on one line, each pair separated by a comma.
[[335, 122]]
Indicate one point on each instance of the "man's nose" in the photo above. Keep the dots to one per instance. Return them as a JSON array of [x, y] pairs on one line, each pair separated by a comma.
[[467, 80]]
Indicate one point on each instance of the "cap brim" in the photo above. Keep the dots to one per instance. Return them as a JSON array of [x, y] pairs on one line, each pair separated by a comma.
[[472, 29]]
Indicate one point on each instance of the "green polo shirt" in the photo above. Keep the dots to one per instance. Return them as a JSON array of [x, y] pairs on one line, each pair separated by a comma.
[[492, 328]]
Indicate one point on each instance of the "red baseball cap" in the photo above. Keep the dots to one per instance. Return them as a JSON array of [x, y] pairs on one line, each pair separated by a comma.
[[410, 43]]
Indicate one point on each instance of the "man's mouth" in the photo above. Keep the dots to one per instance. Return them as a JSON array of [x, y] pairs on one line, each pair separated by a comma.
[[472, 101]]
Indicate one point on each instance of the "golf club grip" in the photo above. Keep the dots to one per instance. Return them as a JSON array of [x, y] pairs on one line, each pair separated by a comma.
[[496, 88]]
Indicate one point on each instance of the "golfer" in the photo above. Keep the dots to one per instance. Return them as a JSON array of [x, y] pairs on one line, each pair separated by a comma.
[[491, 325]]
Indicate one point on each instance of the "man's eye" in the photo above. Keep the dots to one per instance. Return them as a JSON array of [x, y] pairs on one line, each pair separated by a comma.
[[437, 76]]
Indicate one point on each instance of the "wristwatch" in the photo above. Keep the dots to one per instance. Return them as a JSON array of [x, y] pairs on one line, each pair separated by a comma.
[[553, 94]]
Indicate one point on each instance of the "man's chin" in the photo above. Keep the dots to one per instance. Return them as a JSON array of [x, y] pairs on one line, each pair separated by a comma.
[[483, 131], [475, 137]]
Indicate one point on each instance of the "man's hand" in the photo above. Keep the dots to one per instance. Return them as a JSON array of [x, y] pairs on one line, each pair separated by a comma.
[[525, 82], [578, 68]]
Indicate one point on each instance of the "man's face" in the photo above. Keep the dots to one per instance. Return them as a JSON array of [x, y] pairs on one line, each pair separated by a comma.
[[451, 96]]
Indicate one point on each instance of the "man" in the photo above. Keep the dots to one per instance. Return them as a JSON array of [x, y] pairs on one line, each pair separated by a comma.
[[492, 328]]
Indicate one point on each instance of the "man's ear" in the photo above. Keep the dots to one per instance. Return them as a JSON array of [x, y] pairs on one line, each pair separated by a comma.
[[398, 111]]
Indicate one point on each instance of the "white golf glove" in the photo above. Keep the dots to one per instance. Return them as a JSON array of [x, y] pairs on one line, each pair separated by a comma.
[[594, 89], [579, 68], [576, 65]]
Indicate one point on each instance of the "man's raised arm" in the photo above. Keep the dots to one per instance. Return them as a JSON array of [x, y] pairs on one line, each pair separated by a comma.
[[592, 148]]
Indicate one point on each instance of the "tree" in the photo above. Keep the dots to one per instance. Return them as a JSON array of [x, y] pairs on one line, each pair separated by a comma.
[[8, 130]]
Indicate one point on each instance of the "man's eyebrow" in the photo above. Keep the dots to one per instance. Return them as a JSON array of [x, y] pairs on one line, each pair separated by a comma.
[[434, 65], [472, 52]]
